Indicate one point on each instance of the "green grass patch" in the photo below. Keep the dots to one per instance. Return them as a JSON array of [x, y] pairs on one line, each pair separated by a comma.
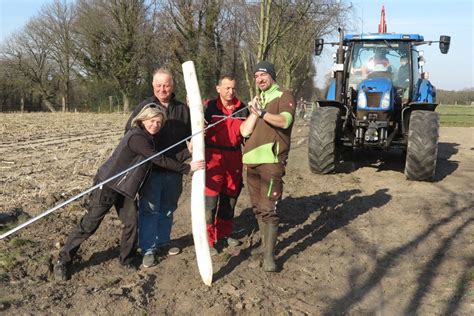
[[470, 275], [20, 242], [7, 260], [20, 220], [4, 277], [42, 258], [10, 300], [456, 115]]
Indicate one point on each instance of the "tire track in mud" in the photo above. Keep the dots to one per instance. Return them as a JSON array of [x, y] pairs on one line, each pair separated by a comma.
[[5, 146], [52, 155], [53, 151], [42, 166]]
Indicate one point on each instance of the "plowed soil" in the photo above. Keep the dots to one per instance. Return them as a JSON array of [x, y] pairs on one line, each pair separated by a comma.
[[362, 241]]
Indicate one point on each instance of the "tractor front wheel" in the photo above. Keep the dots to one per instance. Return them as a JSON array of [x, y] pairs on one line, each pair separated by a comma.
[[422, 147], [322, 151]]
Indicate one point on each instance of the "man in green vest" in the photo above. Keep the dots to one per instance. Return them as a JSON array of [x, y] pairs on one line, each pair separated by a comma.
[[265, 154]]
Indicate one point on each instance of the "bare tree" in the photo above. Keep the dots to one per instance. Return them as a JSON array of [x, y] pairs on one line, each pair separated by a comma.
[[295, 50], [285, 34], [55, 23], [193, 31], [90, 27], [116, 36], [28, 53], [102, 48], [13, 88], [233, 27]]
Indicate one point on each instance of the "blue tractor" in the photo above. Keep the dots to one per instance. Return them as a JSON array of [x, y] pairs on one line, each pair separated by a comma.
[[379, 98]]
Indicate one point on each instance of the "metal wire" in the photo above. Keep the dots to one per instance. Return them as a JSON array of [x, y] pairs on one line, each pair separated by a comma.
[[34, 219]]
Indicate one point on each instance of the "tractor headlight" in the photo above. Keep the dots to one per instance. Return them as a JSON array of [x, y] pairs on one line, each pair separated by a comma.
[[385, 104], [362, 100]]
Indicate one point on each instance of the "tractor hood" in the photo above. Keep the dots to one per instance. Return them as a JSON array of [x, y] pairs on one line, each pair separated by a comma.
[[376, 85], [375, 94]]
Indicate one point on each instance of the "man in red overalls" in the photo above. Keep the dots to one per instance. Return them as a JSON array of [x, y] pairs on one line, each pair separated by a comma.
[[224, 162]]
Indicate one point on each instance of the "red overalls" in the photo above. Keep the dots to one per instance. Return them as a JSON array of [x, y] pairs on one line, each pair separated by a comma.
[[223, 167]]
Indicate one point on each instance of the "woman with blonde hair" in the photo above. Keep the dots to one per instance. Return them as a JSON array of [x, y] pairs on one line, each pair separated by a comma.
[[137, 145]]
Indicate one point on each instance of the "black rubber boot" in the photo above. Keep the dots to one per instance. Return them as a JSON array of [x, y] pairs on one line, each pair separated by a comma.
[[60, 271], [210, 209], [270, 233], [258, 251]]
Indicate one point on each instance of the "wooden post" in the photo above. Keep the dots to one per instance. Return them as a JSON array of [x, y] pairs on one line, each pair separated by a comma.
[[111, 106], [64, 104], [22, 106]]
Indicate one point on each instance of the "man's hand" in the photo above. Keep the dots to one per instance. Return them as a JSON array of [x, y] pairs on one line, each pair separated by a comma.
[[255, 107]]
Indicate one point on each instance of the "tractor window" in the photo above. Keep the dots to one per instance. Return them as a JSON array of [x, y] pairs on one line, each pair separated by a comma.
[[376, 59], [416, 67], [401, 77], [359, 61]]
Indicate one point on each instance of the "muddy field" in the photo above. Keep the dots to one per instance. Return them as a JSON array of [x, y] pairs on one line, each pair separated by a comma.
[[363, 241]]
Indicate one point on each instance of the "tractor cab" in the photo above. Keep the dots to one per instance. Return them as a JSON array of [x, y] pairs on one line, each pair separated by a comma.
[[386, 60], [377, 60]]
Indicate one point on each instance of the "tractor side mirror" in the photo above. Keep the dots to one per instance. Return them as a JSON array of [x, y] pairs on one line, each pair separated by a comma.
[[444, 42], [421, 61], [318, 46]]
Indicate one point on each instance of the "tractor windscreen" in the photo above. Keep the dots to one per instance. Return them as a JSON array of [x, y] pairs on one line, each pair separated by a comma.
[[379, 59]]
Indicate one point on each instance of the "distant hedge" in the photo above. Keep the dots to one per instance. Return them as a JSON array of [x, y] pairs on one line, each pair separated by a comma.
[[462, 97]]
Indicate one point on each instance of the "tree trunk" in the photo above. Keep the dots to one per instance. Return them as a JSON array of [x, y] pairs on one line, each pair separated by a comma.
[[247, 75], [265, 10], [47, 105], [126, 103]]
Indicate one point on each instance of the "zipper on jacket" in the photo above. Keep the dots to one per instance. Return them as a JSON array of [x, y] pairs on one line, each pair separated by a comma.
[[122, 179]]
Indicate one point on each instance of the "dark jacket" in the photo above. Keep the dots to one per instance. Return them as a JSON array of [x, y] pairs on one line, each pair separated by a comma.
[[135, 146], [177, 127]]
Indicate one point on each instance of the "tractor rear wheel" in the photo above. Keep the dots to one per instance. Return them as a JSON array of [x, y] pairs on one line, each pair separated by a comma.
[[322, 147], [422, 147]]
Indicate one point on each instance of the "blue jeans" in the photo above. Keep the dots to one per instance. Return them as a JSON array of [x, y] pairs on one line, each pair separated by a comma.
[[158, 201]]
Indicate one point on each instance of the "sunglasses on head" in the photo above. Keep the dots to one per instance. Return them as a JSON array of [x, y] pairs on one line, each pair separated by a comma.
[[152, 105], [155, 105]]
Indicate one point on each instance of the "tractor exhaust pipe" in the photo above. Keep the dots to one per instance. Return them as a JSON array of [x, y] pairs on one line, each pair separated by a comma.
[[339, 67]]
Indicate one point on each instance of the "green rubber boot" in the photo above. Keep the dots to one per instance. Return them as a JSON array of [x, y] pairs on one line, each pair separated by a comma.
[[259, 250], [271, 231]]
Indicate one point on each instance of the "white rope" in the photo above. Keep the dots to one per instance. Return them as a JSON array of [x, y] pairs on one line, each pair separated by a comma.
[[34, 219]]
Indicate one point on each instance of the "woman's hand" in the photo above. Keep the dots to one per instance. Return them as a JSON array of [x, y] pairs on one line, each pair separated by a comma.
[[197, 165]]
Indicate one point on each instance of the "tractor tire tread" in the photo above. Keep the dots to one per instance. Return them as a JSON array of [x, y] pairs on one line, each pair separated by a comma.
[[322, 148], [422, 147]]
